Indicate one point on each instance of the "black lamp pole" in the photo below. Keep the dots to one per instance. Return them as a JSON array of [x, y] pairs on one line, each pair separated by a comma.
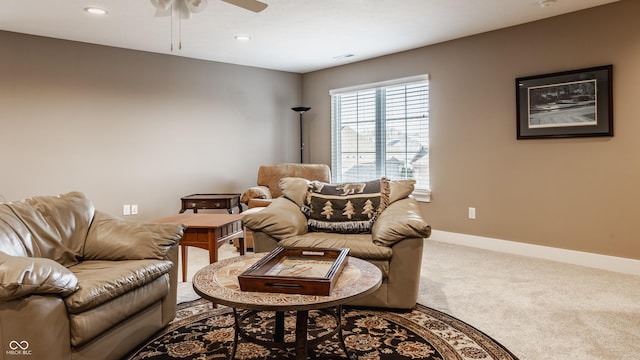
[[301, 110]]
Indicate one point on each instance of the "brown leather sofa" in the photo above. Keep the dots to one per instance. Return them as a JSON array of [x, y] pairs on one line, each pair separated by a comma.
[[76, 283], [394, 243]]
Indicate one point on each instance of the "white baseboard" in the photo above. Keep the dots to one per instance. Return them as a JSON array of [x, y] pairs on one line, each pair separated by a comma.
[[603, 262]]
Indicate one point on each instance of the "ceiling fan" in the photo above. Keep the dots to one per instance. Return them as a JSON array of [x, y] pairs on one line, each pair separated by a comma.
[[184, 9], [187, 7]]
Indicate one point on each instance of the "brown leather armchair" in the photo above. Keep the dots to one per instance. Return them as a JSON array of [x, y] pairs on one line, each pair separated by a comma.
[[76, 283], [268, 186], [394, 243], [269, 176]]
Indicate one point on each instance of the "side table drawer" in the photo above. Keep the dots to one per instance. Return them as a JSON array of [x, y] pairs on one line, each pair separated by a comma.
[[207, 204], [211, 202]]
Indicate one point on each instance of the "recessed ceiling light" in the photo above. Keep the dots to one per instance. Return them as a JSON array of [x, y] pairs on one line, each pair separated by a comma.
[[343, 56], [95, 11], [242, 37], [546, 3]]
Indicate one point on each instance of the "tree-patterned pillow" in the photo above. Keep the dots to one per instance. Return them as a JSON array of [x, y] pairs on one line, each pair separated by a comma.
[[350, 207]]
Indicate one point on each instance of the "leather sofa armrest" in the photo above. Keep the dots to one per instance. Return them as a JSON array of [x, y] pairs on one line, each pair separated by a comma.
[[257, 203], [279, 220], [40, 320], [399, 221], [21, 276], [110, 238], [255, 192]]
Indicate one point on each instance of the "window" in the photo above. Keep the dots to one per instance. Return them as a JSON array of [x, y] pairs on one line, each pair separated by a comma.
[[382, 130]]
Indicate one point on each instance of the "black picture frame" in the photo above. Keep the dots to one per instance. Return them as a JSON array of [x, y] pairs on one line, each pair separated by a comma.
[[576, 103]]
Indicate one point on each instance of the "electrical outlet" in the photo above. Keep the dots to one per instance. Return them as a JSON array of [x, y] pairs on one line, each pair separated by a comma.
[[472, 213], [126, 209], [134, 209]]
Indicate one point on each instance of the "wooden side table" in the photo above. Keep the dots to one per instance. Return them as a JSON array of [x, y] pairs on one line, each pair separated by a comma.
[[211, 202], [207, 231]]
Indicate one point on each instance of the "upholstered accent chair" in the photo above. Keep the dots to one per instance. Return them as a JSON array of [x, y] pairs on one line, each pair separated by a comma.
[[267, 188], [393, 241]]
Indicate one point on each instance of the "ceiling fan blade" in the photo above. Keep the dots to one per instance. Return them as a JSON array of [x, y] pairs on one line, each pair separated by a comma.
[[251, 5]]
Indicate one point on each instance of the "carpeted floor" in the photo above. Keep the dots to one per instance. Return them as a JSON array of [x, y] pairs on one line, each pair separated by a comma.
[[201, 332], [538, 309]]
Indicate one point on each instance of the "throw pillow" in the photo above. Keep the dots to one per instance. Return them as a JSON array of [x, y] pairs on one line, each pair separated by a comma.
[[350, 207]]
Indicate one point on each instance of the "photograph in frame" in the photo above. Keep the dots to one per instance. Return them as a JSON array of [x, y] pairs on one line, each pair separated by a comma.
[[575, 103]]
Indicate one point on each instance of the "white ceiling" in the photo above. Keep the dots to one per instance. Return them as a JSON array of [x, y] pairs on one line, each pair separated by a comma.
[[290, 35]]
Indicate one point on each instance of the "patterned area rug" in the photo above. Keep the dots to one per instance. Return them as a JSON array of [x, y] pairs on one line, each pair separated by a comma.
[[202, 332]]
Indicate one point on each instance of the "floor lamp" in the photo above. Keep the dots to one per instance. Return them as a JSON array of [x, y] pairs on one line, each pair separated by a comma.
[[301, 110]]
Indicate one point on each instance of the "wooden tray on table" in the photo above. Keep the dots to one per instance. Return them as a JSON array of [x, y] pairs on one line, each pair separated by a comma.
[[306, 271]]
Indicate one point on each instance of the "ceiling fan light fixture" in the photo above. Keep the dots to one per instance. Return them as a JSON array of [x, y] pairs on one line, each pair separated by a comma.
[[96, 11], [196, 6], [162, 5], [242, 37]]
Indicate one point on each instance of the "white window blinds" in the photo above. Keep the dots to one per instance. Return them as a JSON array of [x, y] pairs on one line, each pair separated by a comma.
[[382, 130]]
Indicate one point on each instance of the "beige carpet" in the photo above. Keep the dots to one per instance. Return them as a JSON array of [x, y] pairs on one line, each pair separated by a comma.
[[537, 309]]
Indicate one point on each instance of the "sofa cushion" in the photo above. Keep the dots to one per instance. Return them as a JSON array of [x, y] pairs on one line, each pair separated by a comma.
[[349, 207], [85, 326], [52, 227], [101, 281], [21, 276], [111, 238], [16, 239], [359, 245]]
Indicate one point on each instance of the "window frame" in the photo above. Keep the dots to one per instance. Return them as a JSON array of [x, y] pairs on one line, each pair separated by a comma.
[[380, 123]]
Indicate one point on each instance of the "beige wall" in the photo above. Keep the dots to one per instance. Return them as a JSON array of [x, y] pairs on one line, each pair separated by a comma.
[[129, 127], [579, 194]]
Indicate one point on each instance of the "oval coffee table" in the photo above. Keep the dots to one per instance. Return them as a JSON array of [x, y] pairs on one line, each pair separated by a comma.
[[218, 283]]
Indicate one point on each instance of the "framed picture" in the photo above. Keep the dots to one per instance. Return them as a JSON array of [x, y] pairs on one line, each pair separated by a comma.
[[573, 103]]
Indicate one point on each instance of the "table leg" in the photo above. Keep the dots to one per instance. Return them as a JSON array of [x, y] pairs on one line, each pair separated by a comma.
[[302, 316], [340, 336], [278, 335], [236, 324], [185, 255], [213, 245], [242, 245]]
